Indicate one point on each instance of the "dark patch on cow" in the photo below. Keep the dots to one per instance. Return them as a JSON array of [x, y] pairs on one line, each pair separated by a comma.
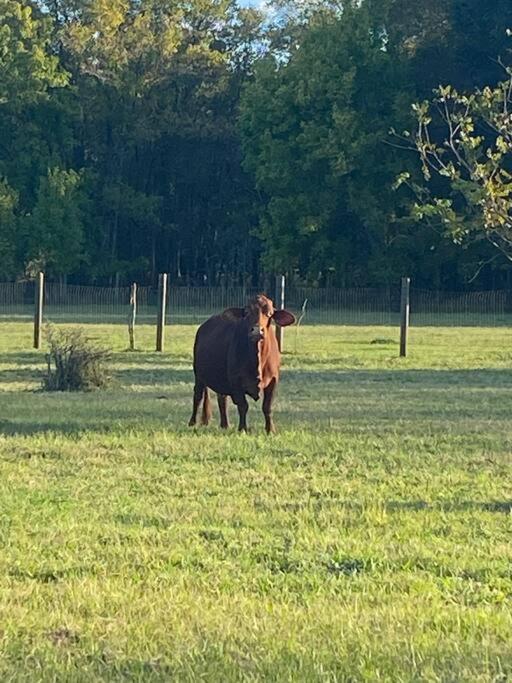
[[236, 354]]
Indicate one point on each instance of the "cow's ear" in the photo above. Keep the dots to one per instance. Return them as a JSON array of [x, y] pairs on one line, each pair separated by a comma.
[[283, 318], [233, 314]]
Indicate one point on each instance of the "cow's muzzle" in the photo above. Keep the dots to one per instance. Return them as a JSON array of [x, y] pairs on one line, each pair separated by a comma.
[[257, 334]]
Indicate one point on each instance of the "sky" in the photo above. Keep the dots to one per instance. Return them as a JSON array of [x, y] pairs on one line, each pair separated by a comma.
[[251, 3]]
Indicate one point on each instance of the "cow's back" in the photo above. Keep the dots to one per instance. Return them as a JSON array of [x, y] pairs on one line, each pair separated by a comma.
[[213, 341]]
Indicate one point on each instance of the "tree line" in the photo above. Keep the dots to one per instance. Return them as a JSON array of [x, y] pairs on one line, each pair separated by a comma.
[[219, 143]]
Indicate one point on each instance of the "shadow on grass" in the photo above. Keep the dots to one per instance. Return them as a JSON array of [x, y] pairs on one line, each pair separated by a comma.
[[32, 369], [70, 419], [149, 368], [24, 357], [48, 575], [327, 399], [144, 377], [475, 377], [443, 506]]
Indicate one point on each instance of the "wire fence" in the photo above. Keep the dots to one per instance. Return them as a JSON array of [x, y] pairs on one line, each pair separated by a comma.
[[331, 306], [17, 300], [461, 309], [191, 305], [108, 305]]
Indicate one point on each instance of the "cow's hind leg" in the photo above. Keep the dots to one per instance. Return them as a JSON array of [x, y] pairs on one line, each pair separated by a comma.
[[222, 401], [207, 409], [199, 390], [243, 407], [268, 397]]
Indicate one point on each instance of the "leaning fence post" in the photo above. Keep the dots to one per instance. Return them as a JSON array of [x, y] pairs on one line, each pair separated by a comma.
[[160, 323], [405, 308], [38, 312], [280, 292], [132, 316]]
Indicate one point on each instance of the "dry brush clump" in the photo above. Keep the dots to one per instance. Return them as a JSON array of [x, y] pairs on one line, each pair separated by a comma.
[[75, 363]]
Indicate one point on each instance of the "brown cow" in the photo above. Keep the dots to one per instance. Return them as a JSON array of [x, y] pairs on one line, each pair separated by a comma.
[[236, 354]]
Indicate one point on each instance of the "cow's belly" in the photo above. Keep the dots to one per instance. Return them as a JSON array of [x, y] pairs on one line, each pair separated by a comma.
[[215, 378], [220, 383]]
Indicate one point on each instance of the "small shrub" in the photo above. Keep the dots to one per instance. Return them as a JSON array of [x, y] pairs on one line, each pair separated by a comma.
[[74, 362]]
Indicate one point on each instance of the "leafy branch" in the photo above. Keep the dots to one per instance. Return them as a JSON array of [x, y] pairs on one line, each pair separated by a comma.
[[467, 140]]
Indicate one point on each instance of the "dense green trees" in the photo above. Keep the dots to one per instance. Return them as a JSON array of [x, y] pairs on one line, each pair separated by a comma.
[[316, 137], [315, 134], [133, 167], [209, 141]]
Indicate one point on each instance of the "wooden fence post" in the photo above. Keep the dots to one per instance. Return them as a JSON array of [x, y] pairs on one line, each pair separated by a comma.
[[162, 300], [279, 303], [132, 316], [405, 308], [38, 311]]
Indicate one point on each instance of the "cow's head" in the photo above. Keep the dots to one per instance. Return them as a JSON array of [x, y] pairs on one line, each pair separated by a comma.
[[258, 315]]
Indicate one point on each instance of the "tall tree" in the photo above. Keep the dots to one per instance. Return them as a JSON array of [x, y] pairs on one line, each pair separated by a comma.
[[313, 132], [29, 75], [54, 229], [315, 128], [27, 67], [158, 86], [9, 263]]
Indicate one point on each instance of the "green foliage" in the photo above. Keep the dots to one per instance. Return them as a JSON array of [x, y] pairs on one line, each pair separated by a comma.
[[8, 201], [136, 108], [314, 131], [27, 67], [473, 154], [147, 123], [74, 362], [54, 229]]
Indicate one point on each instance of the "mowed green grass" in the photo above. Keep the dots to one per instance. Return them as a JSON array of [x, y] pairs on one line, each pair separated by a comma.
[[370, 540]]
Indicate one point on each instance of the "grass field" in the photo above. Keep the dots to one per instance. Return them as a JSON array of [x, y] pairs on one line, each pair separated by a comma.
[[370, 540]]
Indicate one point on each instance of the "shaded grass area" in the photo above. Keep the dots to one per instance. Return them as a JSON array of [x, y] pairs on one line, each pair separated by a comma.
[[369, 540]]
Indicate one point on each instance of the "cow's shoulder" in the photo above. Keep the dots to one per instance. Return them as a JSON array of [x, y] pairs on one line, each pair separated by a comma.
[[218, 326], [232, 314]]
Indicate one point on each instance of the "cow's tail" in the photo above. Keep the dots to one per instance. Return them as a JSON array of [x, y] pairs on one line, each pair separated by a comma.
[[207, 408]]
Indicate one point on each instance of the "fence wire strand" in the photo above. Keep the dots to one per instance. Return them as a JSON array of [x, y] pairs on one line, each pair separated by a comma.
[[191, 305], [17, 300]]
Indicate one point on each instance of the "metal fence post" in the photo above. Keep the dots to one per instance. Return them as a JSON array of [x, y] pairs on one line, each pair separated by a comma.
[[38, 312], [280, 301], [162, 300], [132, 316], [405, 308]]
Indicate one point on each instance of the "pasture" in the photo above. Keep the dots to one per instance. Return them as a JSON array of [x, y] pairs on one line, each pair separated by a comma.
[[369, 540]]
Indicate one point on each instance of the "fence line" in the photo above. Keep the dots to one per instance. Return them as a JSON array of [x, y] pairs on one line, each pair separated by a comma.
[[353, 306], [192, 305], [17, 299], [485, 309]]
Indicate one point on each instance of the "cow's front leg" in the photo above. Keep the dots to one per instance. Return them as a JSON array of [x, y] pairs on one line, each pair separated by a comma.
[[268, 397], [243, 407], [222, 401]]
